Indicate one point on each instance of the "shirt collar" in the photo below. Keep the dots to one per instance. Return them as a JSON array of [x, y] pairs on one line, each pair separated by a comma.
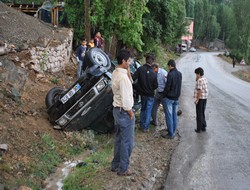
[[125, 71]]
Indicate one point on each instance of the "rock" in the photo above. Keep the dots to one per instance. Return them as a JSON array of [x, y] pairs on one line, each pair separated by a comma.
[[3, 147]]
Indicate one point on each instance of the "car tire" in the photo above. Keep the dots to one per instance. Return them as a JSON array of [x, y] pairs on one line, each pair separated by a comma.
[[53, 95], [96, 56]]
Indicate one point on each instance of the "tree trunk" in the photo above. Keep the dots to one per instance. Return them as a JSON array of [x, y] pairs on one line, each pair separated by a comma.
[[110, 46], [87, 20]]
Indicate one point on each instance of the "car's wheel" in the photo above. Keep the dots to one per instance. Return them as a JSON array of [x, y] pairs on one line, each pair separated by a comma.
[[53, 95], [96, 56]]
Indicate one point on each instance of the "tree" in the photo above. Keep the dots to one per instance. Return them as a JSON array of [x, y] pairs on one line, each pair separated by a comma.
[[239, 40], [74, 12], [164, 23], [190, 8], [206, 27], [119, 21]]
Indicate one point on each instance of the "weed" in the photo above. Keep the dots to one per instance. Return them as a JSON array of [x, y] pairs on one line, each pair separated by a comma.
[[55, 80], [84, 177], [43, 61]]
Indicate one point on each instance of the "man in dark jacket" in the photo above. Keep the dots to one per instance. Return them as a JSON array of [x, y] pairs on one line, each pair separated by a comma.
[[171, 95], [146, 84], [80, 54]]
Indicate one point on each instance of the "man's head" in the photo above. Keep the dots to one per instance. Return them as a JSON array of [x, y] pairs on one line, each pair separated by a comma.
[[199, 71], [171, 64], [150, 58], [155, 67], [84, 42], [123, 58], [98, 34]]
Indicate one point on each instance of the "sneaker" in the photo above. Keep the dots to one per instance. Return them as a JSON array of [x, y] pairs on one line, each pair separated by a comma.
[[114, 169]]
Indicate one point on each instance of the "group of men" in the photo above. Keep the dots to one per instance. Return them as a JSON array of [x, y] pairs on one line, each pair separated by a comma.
[[148, 79], [81, 50]]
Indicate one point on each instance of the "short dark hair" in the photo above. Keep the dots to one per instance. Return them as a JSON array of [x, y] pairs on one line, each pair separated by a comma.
[[122, 54], [171, 63], [155, 65], [199, 70], [150, 58]]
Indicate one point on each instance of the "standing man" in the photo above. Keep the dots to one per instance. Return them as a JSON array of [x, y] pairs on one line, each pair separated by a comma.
[[161, 79], [123, 114], [171, 95], [80, 54], [200, 95], [98, 40], [146, 84], [234, 62]]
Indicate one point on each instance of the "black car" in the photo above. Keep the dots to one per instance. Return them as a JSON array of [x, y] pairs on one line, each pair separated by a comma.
[[87, 104]]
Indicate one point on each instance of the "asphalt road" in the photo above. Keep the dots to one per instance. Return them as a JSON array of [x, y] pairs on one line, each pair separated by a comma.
[[218, 159]]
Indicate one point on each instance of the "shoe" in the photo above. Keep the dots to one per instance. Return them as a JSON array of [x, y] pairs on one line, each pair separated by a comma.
[[203, 129], [179, 112], [197, 131], [126, 173], [167, 136], [153, 123], [114, 169]]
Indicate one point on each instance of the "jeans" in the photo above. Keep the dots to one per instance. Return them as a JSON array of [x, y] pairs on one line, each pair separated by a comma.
[[146, 110], [79, 68], [157, 101], [170, 109], [200, 114], [124, 139]]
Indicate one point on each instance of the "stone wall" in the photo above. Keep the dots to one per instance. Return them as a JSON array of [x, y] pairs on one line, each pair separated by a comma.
[[51, 55]]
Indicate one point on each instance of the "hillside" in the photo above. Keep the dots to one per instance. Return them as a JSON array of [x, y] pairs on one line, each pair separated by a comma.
[[30, 149]]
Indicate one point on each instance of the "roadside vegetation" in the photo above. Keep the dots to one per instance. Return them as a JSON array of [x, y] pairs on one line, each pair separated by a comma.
[[145, 24]]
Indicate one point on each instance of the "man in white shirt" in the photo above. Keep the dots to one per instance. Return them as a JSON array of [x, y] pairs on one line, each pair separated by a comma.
[[123, 115]]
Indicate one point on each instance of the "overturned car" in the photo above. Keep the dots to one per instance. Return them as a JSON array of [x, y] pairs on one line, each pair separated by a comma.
[[87, 104]]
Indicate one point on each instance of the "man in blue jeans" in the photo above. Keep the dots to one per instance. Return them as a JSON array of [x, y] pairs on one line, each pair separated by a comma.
[[162, 79], [170, 96], [123, 115], [146, 84]]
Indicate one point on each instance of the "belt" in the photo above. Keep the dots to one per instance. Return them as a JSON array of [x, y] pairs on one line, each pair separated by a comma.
[[120, 108]]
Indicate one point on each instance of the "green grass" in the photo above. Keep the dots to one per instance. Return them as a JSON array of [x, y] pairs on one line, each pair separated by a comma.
[[83, 178], [48, 153]]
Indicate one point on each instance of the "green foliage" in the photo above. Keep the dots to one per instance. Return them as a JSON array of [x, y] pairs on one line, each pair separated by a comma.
[[239, 39], [74, 12], [48, 153], [165, 22], [43, 60], [190, 8], [122, 18], [84, 177], [54, 80], [48, 159]]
